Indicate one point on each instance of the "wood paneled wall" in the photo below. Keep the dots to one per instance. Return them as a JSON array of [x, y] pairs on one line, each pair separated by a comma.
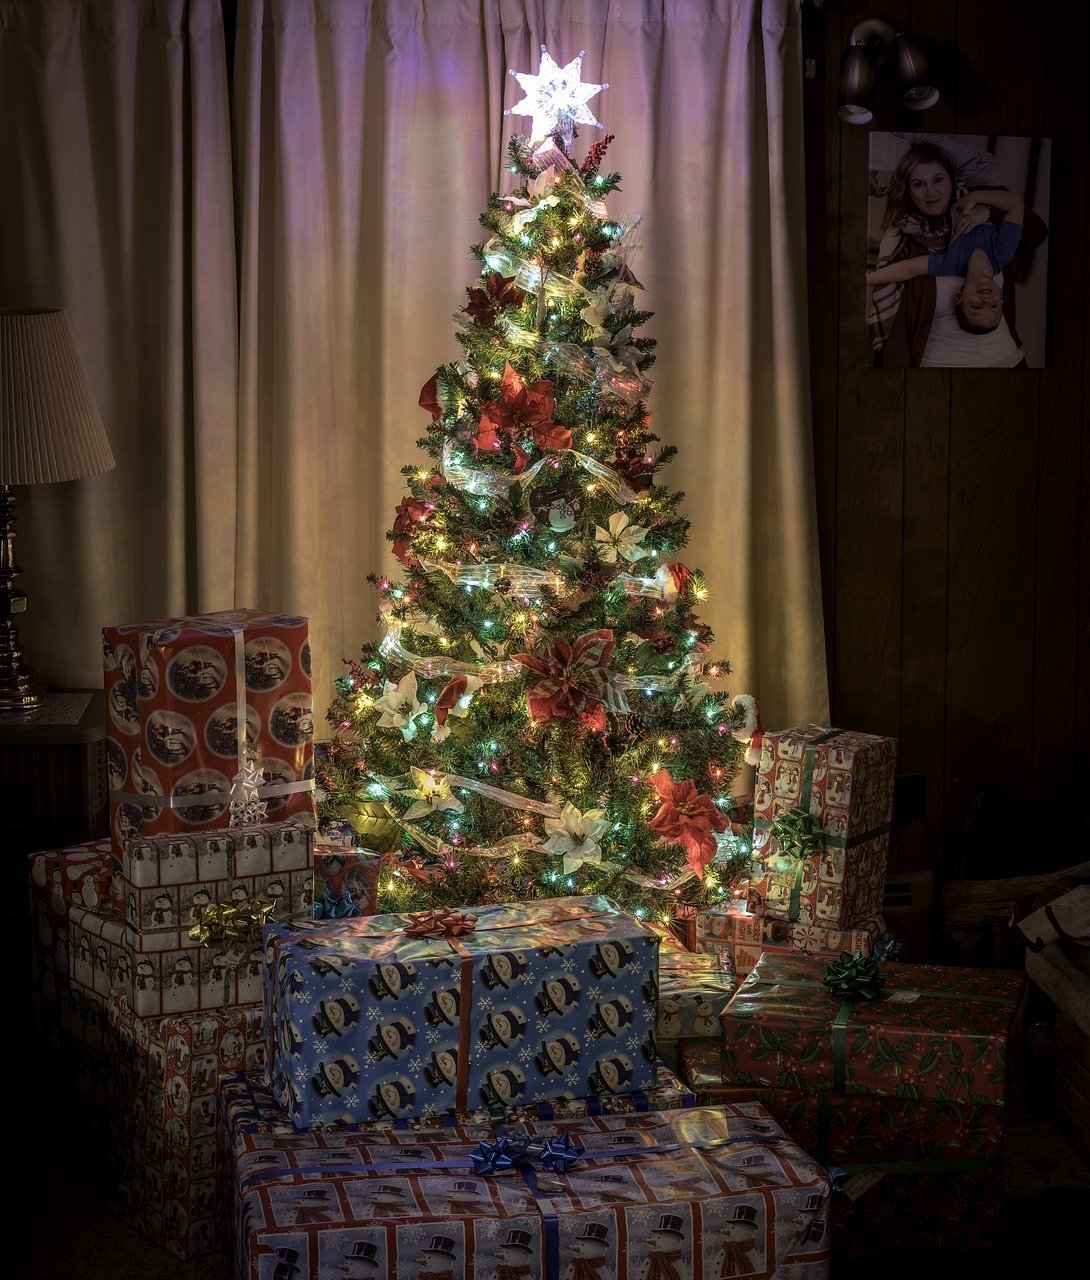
[[954, 539]]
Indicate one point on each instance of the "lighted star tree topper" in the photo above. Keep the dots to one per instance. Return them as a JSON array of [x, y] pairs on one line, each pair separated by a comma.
[[542, 715], [555, 98]]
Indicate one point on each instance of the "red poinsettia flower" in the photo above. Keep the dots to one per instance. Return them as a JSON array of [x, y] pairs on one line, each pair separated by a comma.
[[575, 681], [499, 291], [659, 640], [680, 576], [429, 397], [520, 411], [410, 513], [633, 466], [687, 817], [448, 699]]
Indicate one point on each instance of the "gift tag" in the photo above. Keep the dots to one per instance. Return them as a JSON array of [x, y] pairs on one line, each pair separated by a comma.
[[904, 997], [860, 1183]]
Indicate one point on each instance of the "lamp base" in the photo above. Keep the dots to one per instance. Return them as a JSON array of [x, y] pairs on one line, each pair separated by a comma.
[[19, 691]]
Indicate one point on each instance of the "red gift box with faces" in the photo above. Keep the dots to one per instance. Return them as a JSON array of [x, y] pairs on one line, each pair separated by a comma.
[[190, 701], [164, 1119], [743, 937]]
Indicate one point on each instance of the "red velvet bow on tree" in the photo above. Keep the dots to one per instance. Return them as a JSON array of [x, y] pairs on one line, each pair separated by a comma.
[[444, 923], [575, 681], [520, 411]]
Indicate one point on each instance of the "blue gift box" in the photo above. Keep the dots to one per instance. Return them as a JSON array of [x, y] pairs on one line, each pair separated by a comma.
[[392, 1016]]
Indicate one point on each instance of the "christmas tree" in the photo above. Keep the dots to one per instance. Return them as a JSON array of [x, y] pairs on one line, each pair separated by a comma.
[[539, 717]]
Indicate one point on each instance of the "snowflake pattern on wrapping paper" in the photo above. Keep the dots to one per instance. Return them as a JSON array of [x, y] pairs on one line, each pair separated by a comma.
[[373, 1013], [485, 1002], [542, 1025], [526, 1054], [431, 1036], [416, 1064], [568, 965], [593, 993]]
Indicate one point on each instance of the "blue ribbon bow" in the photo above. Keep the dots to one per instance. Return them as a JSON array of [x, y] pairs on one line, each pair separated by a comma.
[[557, 1154], [335, 908]]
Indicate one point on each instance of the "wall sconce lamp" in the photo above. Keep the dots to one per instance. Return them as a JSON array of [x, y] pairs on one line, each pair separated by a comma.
[[872, 43]]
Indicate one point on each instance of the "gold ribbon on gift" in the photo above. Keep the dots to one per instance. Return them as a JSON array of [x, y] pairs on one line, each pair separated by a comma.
[[234, 926]]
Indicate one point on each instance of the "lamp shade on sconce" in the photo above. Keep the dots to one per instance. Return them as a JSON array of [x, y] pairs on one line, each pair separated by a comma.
[[858, 65], [50, 428], [913, 72]]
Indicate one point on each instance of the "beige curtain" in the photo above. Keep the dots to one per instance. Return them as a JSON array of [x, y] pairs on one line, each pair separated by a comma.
[[368, 137], [115, 203]]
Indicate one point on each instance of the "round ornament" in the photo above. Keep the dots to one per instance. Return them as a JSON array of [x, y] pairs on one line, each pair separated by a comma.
[[558, 505]]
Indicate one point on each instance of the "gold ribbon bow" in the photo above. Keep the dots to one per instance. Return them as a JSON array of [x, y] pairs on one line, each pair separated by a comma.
[[235, 926], [444, 923]]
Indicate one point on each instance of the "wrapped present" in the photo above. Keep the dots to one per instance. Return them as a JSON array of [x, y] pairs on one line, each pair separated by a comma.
[[936, 1031], [345, 882], [399, 1015], [916, 1174], [713, 1192], [170, 880], [164, 1118], [220, 973], [249, 1098], [693, 990], [734, 931], [77, 875], [822, 806], [209, 722]]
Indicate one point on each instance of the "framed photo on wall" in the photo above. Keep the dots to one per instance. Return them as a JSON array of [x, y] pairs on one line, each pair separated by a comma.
[[957, 251]]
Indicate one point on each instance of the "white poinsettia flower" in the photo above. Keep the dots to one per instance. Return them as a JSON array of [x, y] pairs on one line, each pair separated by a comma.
[[594, 314], [543, 183], [400, 707], [622, 538], [618, 350], [576, 836], [432, 793]]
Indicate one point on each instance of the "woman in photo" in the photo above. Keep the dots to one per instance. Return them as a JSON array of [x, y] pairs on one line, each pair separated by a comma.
[[921, 218]]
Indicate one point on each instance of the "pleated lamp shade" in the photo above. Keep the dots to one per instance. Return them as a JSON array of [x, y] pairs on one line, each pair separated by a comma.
[[50, 427]]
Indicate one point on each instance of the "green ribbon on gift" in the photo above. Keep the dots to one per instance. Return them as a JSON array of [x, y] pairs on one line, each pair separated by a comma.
[[854, 976], [234, 926], [800, 837]]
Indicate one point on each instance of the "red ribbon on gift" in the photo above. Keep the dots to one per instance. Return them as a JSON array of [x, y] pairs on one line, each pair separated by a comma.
[[446, 923]]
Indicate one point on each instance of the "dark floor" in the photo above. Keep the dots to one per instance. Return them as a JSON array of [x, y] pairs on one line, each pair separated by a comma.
[[66, 1232]]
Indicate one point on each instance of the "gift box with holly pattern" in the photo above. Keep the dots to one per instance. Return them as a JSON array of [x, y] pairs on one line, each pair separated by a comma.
[[934, 1031], [714, 1192], [209, 719], [400, 1015], [915, 1173], [822, 806]]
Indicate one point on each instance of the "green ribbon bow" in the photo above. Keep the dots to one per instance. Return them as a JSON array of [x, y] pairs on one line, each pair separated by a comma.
[[799, 835], [854, 976]]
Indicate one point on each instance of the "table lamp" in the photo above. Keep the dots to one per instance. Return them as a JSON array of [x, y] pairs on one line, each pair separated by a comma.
[[50, 430]]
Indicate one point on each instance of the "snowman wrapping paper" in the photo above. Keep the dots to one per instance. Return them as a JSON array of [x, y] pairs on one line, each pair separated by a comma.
[[194, 702], [709, 1192], [532, 1001], [692, 992]]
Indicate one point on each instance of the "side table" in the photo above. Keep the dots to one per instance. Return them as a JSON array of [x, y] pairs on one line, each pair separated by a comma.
[[53, 792]]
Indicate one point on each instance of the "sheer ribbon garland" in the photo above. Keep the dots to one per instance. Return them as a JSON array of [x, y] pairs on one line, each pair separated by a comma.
[[494, 483]]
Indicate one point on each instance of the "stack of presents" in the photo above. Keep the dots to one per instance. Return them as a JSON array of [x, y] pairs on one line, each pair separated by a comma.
[[547, 1088]]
